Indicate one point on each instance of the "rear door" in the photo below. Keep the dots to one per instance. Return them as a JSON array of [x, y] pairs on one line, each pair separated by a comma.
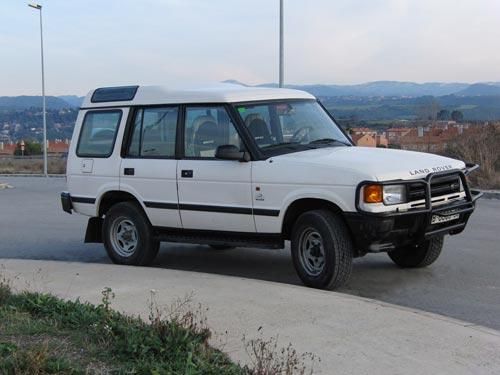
[[149, 168], [213, 194], [94, 157]]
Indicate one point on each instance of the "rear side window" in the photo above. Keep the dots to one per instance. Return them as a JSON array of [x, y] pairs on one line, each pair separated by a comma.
[[98, 133], [153, 133]]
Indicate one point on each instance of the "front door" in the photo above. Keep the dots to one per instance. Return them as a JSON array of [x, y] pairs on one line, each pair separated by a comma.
[[213, 194], [149, 169]]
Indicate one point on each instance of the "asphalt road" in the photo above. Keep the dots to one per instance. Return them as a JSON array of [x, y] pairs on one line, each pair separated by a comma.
[[464, 283]]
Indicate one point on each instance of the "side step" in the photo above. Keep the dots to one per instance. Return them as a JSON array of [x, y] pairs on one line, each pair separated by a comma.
[[206, 237]]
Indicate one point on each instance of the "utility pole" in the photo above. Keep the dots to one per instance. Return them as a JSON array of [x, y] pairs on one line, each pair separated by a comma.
[[44, 111], [281, 62]]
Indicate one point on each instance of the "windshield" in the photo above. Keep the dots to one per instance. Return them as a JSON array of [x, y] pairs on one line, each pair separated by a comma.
[[287, 126]]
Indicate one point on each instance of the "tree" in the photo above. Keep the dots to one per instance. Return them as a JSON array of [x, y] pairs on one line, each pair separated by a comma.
[[427, 108], [443, 115], [457, 116], [30, 148], [480, 146]]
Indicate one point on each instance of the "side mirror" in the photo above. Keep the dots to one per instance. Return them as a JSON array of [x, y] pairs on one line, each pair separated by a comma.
[[231, 152]]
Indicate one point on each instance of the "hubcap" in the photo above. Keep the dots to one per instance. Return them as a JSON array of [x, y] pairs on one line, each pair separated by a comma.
[[311, 252], [124, 237]]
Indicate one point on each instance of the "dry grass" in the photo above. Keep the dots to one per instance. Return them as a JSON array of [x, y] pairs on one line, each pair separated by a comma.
[[268, 358], [9, 165], [42, 334]]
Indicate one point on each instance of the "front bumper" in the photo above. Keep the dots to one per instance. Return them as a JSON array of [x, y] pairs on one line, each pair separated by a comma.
[[377, 232]]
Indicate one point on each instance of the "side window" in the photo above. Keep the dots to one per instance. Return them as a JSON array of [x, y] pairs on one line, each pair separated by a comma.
[[207, 128], [258, 121], [153, 133], [98, 133]]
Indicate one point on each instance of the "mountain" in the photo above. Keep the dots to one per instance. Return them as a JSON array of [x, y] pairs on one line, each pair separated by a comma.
[[23, 102], [481, 89], [396, 88], [52, 102], [72, 100]]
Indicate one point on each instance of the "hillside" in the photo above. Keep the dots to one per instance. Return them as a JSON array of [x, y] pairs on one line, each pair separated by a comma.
[[373, 102], [52, 102], [392, 100], [395, 88]]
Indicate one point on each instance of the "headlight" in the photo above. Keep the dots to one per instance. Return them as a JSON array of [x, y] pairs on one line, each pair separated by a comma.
[[394, 194], [387, 194]]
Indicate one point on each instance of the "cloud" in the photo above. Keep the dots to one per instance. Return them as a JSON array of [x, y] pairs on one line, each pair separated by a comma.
[[92, 43]]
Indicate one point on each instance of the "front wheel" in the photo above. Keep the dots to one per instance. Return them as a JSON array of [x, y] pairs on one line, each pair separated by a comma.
[[128, 236], [322, 249], [419, 256]]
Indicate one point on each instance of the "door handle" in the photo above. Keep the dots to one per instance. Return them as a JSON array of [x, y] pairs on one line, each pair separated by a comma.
[[128, 171], [187, 173]]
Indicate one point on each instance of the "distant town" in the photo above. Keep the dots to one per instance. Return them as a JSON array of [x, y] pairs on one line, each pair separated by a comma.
[[433, 137], [457, 120]]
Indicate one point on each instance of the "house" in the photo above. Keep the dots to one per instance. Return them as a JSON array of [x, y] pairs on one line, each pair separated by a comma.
[[365, 140], [58, 147], [433, 139], [7, 149], [394, 135], [368, 137]]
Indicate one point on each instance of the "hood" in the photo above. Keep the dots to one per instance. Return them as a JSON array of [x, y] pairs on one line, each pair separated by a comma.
[[378, 164]]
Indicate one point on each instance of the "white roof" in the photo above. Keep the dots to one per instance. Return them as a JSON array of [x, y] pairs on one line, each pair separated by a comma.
[[221, 93]]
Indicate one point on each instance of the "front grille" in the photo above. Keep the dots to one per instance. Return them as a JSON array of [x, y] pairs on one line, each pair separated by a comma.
[[439, 186]]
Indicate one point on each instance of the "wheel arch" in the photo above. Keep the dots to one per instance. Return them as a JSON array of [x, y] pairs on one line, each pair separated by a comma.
[[107, 200], [299, 206], [112, 197]]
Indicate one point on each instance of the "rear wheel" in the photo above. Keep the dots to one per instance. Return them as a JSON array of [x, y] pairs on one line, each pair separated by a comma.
[[322, 249], [128, 236], [418, 256]]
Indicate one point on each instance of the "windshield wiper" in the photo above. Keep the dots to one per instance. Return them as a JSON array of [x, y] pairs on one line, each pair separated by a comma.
[[281, 144], [326, 141]]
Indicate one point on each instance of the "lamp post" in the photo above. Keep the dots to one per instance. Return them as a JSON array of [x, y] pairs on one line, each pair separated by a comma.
[[44, 113], [281, 69]]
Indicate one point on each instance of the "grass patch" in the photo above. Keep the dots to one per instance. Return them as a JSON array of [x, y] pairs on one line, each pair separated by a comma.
[[42, 334], [10, 165]]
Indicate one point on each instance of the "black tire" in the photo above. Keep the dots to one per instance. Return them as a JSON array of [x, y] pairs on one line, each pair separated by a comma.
[[222, 247], [146, 247], [336, 244], [419, 256]]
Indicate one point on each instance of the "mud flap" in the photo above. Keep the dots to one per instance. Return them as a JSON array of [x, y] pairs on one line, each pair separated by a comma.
[[94, 230]]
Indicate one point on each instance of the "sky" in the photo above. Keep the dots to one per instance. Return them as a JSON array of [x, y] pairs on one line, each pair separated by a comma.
[[92, 43]]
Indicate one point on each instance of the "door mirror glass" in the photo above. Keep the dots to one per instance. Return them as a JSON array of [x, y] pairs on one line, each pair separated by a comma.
[[231, 152]]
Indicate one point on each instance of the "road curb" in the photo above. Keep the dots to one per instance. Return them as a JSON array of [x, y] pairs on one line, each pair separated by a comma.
[[329, 324], [491, 194], [37, 266]]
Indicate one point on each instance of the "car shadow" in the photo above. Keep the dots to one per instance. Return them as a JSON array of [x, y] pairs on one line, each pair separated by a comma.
[[372, 276], [260, 264]]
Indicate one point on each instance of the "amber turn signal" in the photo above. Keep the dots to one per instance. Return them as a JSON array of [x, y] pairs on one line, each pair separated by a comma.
[[373, 194]]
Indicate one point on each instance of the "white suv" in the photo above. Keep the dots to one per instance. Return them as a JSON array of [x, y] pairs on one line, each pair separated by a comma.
[[232, 166]]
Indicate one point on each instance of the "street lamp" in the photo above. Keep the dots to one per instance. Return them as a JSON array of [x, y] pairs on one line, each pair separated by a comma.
[[281, 69], [44, 113]]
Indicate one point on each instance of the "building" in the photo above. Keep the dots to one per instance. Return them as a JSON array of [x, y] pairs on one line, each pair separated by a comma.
[[364, 140], [394, 135], [368, 137], [7, 148], [433, 139], [58, 147]]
